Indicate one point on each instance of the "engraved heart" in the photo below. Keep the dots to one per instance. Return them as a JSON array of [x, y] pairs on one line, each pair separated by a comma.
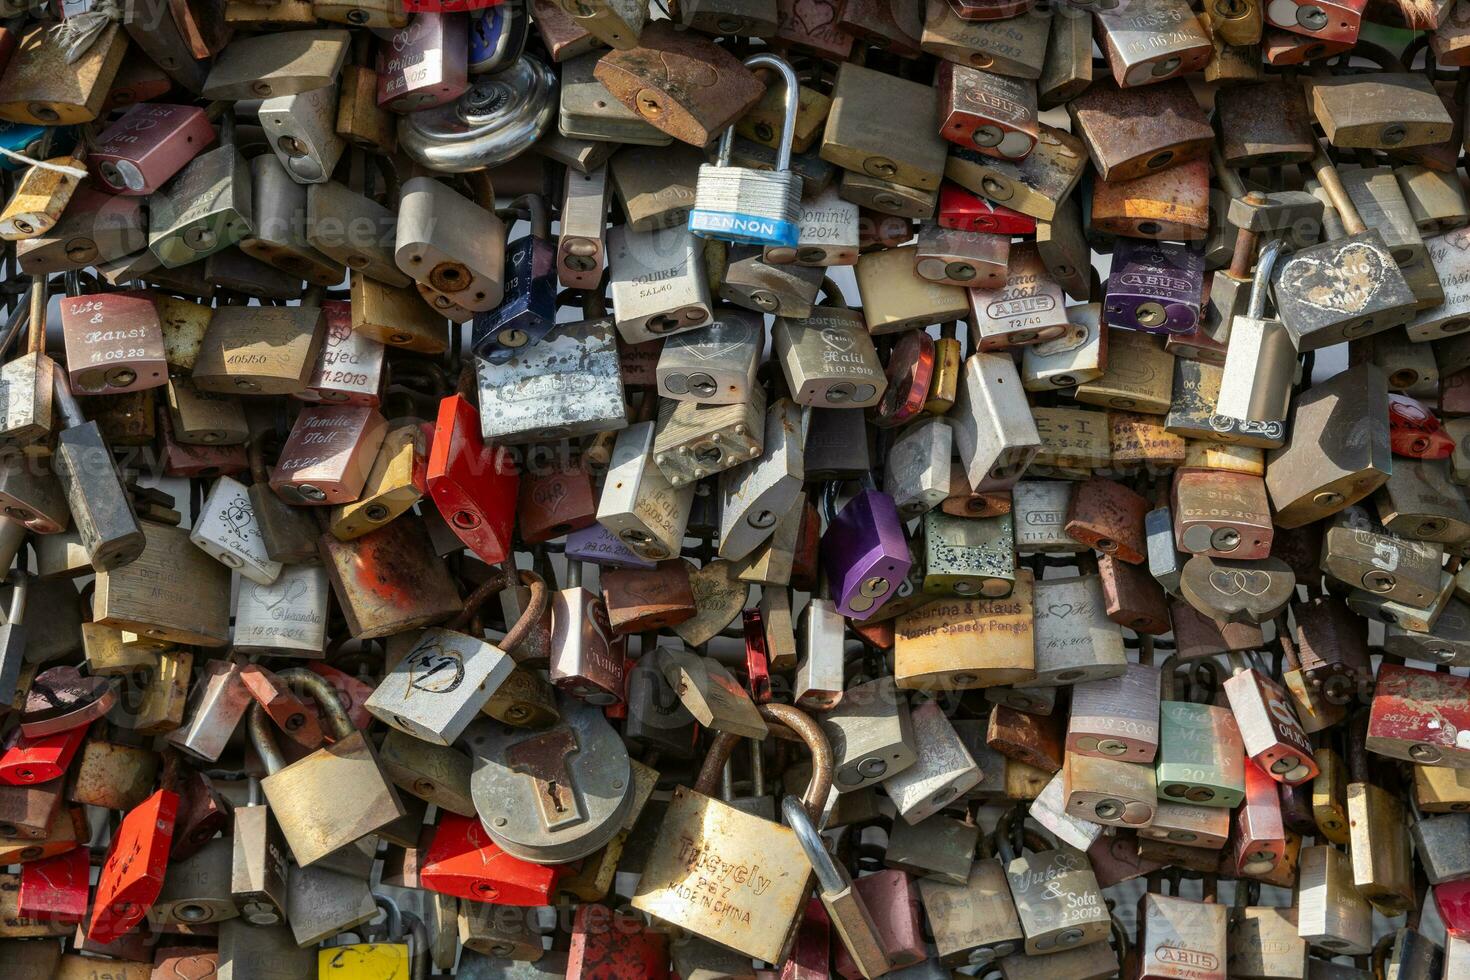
[[1342, 286], [1234, 581], [1061, 610], [812, 15], [837, 340], [201, 967]]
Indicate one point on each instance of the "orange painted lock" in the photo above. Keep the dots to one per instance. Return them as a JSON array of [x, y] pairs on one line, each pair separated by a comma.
[[474, 484], [56, 889], [132, 874], [462, 860], [289, 713]]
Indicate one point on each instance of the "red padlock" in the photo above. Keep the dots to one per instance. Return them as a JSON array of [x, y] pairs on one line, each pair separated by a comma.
[[1413, 430], [56, 888], [757, 661], [132, 875], [609, 945], [964, 211], [1452, 898], [811, 952], [190, 461], [556, 498], [147, 145], [474, 484], [463, 861], [29, 761], [910, 370]]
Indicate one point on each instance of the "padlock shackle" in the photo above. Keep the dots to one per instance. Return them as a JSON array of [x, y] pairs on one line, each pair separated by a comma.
[[36, 317], [783, 68], [21, 587], [392, 918], [830, 290], [1265, 264], [534, 609], [1332, 184], [785, 722], [66, 403], [829, 876], [533, 208], [258, 727], [418, 963], [323, 693]]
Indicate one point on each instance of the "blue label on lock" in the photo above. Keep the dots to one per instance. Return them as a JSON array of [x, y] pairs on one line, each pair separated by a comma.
[[745, 229]]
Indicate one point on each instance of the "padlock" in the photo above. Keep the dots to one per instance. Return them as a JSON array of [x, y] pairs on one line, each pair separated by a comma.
[[424, 64], [754, 494], [1156, 287], [585, 111], [1317, 473], [693, 440], [1176, 934], [42, 195], [820, 674], [995, 113], [666, 79], [1147, 47], [1378, 293], [585, 661], [864, 553], [1200, 756], [828, 232], [1259, 836], [457, 265], [572, 782], [963, 210], [784, 290], [1056, 894], [114, 343], [205, 206], [1169, 204], [994, 430], [1075, 641], [528, 310], [659, 283], [1409, 708], [301, 130], [55, 888], [752, 206], [554, 500], [1420, 501], [1027, 309], [260, 351], [916, 473], [638, 600], [638, 504], [1260, 360], [968, 556], [1269, 729], [1077, 356], [474, 484], [1332, 914], [1176, 130], [894, 299], [1108, 516], [219, 700], [1222, 515], [1035, 740], [49, 83], [714, 364], [227, 530], [315, 823]]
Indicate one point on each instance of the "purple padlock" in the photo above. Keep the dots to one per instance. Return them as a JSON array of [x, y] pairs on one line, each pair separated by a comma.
[[865, 555], [596, 545], [1156, 287]]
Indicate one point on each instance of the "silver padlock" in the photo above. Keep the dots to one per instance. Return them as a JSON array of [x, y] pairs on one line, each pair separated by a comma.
[[917, 466], [302, 130], [1260, 359], [993, 429], [440, 685], [755, 494], [226, 530], [714, 364], [753, 207], [658, 282], [872, 735], [462, 260], [288, 617], [639, 504], [829, 233], [943, 772], [580, 246]]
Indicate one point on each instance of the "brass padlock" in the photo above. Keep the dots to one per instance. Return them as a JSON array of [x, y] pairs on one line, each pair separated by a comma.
[[46, 87], [1014, 46], [260, 350]]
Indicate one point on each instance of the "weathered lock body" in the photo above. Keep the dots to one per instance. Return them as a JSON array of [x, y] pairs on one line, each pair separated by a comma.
[[279, 215], [147, 145], [829, 359], [1452, 315], [994, 431], [968, 556], [1320, 470], [1331, 914], [259, 350], [315, 824], [1077, 356], [1106, 515], [329, 454], [462, 262], [1420, 501], [1201, 759], [1361, 553], [1223, 515], [1259, 837], [926, 656], [693, 440], [1026, 309], [1414, 714], [1117, 718], [916, 473], [1137, 376], [1075, 641], [1272, 735], [994, 113], [226, 529], [207, 206]]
